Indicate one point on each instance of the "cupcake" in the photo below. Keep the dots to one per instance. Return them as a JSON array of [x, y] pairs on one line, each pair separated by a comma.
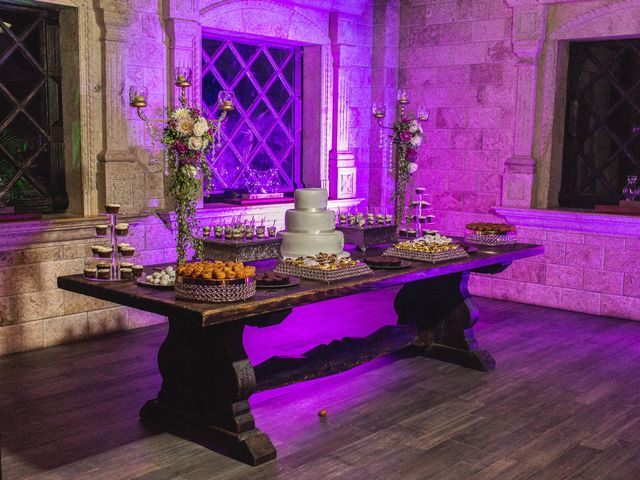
[[96, 249], [122, 228], [102, 229], [127, 251], [104, 273], [126, 273], [112, 208], [121, 245], [126, 265], [105, 252], [90, 272], [137, 270], [103, 264]]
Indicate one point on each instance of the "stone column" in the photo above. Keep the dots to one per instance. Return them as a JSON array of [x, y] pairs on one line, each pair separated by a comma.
[[342, 167], [384, 88], [115, 182], [184, 32], [529, 26]]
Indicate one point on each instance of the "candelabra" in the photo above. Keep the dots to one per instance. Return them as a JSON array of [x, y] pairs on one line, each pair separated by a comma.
[[396, 137], [138, 95]]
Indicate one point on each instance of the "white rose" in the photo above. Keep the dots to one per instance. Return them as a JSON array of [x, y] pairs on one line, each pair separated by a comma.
[[191, 171], [413, 126], [416, 141], [412, 167], [195, 143], [200, 127]]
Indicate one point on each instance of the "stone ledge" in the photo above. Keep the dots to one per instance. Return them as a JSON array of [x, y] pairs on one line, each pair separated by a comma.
[[573, 221]]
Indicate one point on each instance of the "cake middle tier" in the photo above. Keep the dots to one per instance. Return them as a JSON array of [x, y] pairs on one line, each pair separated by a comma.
[[300, 221], [296, 245]]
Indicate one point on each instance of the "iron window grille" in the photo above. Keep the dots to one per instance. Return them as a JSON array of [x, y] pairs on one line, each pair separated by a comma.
[[603, 107], [261, 139], [31, 135]]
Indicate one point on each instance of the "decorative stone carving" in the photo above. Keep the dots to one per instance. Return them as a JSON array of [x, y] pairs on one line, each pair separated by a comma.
[[342, 168]]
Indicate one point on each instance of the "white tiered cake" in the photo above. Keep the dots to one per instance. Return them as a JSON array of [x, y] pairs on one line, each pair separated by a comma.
[[310, 228]]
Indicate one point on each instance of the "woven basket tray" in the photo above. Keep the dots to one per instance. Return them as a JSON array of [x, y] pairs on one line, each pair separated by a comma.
[[427, 257], [214, 291], [326, 276], [490, 240]]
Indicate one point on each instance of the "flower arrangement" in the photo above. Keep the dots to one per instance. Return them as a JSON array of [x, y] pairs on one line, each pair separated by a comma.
[[188, 137], [407, 135]]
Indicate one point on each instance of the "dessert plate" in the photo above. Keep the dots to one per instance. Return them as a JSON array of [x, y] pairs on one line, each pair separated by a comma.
[[403, 264], [142, 281], [293, 281]]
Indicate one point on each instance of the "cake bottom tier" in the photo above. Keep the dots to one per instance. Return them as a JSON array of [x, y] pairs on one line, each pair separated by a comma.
[[296, 244]]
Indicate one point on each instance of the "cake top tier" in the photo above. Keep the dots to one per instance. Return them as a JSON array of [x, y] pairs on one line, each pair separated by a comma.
[[311, 199]]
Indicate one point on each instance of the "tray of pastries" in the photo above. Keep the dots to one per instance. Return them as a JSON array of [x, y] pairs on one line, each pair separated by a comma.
[[490, 234], [323, 267], [432, 248], [215, 281]]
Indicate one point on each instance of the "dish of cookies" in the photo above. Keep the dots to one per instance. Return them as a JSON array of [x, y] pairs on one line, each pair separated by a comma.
[[488, 228], [216, 270]]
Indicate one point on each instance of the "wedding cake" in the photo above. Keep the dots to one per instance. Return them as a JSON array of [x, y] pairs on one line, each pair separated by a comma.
[[310, 228]]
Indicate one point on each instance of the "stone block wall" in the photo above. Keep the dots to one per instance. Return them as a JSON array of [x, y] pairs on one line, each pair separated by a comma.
[[463, 60], [580, 271], [456, 59]]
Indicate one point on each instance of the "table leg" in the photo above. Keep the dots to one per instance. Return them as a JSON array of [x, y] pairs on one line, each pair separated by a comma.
[[206, 382], [445, 315]]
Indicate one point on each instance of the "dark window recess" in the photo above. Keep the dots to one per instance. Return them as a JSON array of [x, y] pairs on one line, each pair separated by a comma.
[[603, 107], [261, 138], [31, 136]]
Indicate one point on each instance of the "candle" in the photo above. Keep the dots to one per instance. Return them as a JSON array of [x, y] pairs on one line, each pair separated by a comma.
[[138, 98], [181, 78]]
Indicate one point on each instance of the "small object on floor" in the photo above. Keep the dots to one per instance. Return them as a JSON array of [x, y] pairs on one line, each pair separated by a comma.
[[322, 413]]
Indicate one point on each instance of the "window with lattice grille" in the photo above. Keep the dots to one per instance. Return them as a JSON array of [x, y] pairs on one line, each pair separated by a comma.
[[260, 148], [31, 135], [603, 107]]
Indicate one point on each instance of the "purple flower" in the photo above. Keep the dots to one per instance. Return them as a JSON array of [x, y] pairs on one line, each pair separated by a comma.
[[405, 136], [180, 147]]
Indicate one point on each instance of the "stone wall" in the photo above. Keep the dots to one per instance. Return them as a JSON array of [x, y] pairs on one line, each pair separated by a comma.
[[455, 58], [497, 116], [125, 42], [587, 267]]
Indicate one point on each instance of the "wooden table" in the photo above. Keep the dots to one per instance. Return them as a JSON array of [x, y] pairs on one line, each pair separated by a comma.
[[208, 379]]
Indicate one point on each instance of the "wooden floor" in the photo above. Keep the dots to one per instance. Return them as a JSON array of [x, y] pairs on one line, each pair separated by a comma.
[[564, 402]]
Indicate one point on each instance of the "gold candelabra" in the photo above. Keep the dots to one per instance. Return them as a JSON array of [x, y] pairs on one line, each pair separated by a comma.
[[138, 95], [386, 142], [380, 110]]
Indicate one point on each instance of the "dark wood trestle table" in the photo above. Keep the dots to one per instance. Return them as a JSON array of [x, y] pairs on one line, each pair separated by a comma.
[[207, 378]]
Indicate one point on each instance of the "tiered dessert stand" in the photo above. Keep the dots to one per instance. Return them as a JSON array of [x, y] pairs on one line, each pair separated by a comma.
[[116, 256], [419, 217]]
